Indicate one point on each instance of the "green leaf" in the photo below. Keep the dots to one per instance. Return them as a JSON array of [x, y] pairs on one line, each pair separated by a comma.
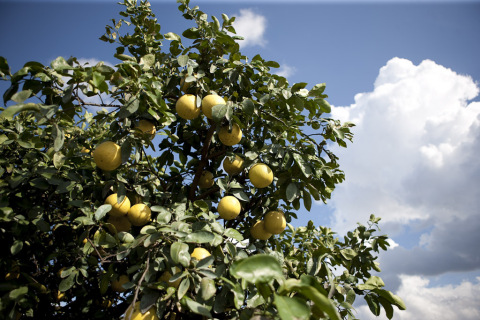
[[375, 281], [303, 165], [324, 106], [199, 237], [292, 191], [129, 108], [148, 61], [348, 254], [18, 293], [183, 288], [291, 308], [102, 211], [307, 200], [182, 60], [59, 138], [4, 68], [60, 64], [17, 108], [233, 233], [298, 86], [317, 90], [239, 194], [163, 216], [172, 36], [321, 301], [16, 247], [394, 299], [21, 96], [207, 288], [261, 268], [218, 112], [272, 64], [179, 253], [67, 283], [386, 306], [373, 304], [58, 159], [196, 307], [248, 106]]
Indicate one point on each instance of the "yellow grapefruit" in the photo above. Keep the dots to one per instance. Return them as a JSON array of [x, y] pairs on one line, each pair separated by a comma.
[[260, 175], [118, 209], [200, 253], [275, 222], [134, 313], [258, 231], [206, 180], [186, 107], [229, 208], [120, 223], [139, 214], [208, 102], [233, 167], [166, 276], [230, 138], [117, 285], [147, 127], [107, 156]]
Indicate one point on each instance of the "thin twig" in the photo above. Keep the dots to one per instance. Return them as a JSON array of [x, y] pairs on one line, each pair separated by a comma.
[[135, 297]]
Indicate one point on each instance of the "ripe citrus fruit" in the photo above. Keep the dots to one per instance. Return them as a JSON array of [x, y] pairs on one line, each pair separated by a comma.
[[206, 180], [186, 107], [118, 209], [147, 127], [229, 208], [260, 175], [258, 231], [107, 156], [166, 278], [134, 313], [275, 222], [120, 223], [139, 214], [208, 102], [200, 253], [233, 167], [117, 285], [230, 138]]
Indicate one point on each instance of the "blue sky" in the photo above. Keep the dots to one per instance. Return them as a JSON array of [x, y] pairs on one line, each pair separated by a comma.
[[406, 72]]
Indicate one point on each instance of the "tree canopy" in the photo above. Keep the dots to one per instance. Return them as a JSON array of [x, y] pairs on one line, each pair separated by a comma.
[[97, 218]]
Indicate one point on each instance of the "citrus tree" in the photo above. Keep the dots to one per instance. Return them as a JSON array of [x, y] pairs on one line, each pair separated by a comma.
[[164, 187]]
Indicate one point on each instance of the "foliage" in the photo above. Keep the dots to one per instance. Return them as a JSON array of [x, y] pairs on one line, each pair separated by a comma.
[[53, 220]]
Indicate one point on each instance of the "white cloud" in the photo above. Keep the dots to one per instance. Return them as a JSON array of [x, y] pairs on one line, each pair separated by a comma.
[[251, 26], [286, 71], [414, 162], [415, 132], [432, 303]]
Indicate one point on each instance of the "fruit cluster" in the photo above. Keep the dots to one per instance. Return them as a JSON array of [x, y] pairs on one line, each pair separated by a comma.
[[260, 174]]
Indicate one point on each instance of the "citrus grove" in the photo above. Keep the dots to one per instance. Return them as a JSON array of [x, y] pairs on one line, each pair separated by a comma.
[[164, 187]]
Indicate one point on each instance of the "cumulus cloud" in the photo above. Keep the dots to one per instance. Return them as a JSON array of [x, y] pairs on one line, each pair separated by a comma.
[[414, 162], [433, 303], [286, 71], [251, 26]]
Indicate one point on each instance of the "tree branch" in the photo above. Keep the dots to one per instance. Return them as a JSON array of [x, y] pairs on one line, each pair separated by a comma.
[[203, 162]]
